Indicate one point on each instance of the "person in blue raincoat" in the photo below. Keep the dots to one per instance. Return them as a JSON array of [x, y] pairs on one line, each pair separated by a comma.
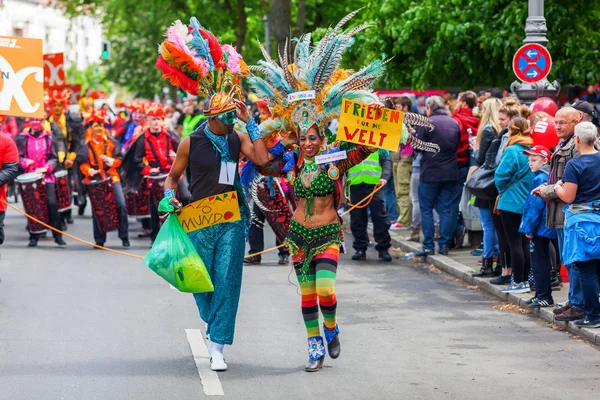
[[580, 189]]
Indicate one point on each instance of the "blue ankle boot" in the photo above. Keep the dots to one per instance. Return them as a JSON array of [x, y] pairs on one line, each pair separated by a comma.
[[333, 341], [316, 354]]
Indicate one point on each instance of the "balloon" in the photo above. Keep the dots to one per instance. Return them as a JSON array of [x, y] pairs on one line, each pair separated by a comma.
[[544, 133], [545, 104]]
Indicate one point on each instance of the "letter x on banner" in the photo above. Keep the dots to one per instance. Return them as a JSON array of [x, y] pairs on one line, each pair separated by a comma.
[[21, 77], [54, 71]]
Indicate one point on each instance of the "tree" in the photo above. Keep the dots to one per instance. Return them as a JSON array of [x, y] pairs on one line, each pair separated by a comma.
[[470, 43]]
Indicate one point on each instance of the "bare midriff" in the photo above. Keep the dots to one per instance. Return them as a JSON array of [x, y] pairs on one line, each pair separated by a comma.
[[324, 212]]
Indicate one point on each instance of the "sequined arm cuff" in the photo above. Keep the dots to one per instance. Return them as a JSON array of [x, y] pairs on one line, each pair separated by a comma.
[[169, 193], [252, 129], [278, 149]]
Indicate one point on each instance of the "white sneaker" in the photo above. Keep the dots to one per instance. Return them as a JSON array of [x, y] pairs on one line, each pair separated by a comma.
[[517, 288], [217, 361]]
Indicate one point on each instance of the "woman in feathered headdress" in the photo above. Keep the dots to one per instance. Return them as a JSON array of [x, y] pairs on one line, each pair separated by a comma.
[[193, 59], [304, 93]]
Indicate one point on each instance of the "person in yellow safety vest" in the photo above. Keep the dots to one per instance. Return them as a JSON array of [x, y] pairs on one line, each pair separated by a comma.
[[362, 178], [189, 121]]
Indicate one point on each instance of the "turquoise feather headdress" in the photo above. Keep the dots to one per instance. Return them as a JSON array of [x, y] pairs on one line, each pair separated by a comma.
[[306, 89]]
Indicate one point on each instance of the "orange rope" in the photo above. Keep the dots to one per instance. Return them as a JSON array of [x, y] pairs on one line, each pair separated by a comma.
[[67, 235], [352, 207]]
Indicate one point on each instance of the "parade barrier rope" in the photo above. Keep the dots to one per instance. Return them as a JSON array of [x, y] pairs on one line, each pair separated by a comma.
[[361, 204]]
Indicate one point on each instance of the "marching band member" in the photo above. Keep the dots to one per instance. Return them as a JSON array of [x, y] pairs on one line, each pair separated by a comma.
[[153, 154], [38, 153], [68, 134], [100, 158]]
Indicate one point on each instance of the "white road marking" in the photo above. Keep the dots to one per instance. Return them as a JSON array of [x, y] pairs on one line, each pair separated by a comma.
[[210, 379]]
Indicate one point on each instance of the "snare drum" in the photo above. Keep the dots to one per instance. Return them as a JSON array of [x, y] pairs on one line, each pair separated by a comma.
[[157, 186], [138, 202], [104, 205], [63, 190], [32, 188]]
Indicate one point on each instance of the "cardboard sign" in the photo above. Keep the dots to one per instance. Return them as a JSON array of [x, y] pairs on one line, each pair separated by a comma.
[[21, 77], [54, 71], [210, 211], [368, 126]]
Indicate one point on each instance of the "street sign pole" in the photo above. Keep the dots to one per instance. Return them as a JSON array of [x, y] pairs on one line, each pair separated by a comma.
[[535, 32]]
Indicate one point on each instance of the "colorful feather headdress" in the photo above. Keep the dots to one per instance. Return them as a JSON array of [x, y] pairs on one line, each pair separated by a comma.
[[306, 89], [193, 59]]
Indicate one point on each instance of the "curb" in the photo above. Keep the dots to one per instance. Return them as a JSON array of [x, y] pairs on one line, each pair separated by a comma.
[[463, 273]]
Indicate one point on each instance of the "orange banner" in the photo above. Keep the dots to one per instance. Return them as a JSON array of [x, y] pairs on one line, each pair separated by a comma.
[[21, 77], [54, 71]]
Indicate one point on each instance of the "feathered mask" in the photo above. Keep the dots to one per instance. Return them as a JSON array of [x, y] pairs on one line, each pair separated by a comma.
[[306, 89], [96, 116], [193, 59], [58, 96]]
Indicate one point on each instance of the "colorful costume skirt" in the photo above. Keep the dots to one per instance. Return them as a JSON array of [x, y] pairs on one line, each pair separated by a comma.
[[305, 243]]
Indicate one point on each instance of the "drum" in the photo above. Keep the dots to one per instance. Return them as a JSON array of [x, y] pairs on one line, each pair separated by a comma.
[[157, 187], [138, 202], [63, 190], [32, 188], [104, 205]]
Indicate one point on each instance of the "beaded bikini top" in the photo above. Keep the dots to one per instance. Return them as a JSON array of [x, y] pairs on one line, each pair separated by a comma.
[[320, 185]]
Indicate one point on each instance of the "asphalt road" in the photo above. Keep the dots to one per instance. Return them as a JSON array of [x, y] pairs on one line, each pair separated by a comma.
[[79, 323]]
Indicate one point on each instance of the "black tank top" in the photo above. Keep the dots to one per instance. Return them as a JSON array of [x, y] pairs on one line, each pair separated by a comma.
[[205, 164]]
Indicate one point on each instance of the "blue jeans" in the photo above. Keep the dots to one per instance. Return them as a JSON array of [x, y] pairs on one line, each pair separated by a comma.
[[389, 197], [440, 196], [589, 274], [575, 291], [490, 241]]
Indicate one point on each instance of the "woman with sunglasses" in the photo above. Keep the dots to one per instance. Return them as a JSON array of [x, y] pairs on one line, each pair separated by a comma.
[[304, 97]]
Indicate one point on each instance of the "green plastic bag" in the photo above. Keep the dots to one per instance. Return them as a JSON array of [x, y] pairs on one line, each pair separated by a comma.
[[174, 258]]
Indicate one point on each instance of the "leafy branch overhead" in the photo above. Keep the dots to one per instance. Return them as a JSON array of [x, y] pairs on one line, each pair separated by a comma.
[[434, 43]]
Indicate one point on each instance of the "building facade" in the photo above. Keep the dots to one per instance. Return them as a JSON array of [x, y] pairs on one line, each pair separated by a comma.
[[80, 38]]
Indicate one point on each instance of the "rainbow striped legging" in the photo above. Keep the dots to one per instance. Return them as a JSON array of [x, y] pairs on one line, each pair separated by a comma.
[[317, 282]]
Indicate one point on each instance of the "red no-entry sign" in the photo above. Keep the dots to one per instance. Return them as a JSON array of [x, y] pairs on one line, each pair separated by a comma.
[[532, 62]]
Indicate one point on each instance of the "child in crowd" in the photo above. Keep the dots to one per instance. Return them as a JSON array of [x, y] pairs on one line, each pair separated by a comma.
[[533, 225]]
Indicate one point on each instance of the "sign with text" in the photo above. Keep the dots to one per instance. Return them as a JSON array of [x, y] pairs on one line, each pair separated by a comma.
[[210, 211], [21, 77], [374, 127], [331, 157], [54, 71]]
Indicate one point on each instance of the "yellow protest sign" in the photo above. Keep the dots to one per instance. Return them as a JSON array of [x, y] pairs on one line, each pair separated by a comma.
[[21, 77], [210, 211], [369, 126]]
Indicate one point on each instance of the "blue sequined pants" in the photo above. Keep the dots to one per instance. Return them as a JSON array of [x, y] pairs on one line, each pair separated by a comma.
[[221, 247]]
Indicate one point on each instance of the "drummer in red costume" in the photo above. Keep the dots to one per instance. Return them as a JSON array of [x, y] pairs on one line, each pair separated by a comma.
[[157, 146], [67, 131], [99, 159], [38, 153]]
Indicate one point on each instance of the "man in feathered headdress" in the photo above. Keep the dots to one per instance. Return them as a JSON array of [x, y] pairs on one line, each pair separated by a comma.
[[67, 131], [100, 158], [193, 59]]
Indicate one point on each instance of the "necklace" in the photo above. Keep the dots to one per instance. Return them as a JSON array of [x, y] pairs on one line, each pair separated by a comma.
[[310, 171]]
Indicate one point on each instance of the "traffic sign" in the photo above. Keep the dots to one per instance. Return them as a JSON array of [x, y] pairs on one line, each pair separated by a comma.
[[532, 62]]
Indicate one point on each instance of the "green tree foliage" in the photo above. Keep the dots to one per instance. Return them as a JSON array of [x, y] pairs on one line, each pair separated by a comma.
[[469, 43]]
